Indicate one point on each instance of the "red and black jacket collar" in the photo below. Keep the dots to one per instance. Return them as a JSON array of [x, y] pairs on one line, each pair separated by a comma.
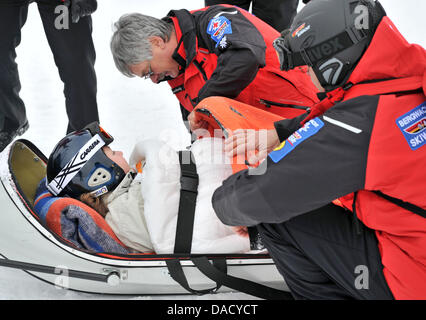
[[186, 33]]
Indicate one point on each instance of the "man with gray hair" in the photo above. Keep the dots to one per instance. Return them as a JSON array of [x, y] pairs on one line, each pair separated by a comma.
[[221, 50]]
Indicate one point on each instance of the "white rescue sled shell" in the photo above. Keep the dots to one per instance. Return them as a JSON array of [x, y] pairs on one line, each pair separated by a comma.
[[26, 244]]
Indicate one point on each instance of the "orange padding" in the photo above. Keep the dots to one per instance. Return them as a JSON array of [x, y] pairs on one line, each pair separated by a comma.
[[228, 115]]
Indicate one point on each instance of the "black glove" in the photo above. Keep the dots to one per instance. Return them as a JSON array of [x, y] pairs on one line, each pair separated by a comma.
[[306, 1], [81, 8]]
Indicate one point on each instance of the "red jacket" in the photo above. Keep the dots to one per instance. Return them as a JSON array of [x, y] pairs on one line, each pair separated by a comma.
[[241, 63], [396, 158], [368, 140]]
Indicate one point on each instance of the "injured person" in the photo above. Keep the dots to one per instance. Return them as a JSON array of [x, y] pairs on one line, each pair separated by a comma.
[[142, 209]]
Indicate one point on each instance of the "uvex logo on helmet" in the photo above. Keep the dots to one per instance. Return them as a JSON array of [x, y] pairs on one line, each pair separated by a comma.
[[325, 49], [89, 149]]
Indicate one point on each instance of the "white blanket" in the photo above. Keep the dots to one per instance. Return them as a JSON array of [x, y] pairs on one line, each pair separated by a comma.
[[161, 193]]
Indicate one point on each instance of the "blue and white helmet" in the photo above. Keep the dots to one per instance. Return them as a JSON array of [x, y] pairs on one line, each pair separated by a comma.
[[78, 164]]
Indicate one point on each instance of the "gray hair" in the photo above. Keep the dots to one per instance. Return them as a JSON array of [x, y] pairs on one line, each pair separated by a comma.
[[130, 43]]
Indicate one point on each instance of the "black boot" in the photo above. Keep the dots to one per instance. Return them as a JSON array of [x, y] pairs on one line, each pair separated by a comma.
[[7, 136]]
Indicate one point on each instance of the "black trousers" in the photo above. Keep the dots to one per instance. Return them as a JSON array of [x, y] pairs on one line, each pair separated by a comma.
[[321, 256], [277, 13], [74, 56]]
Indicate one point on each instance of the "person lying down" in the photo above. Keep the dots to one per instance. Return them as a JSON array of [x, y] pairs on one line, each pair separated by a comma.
[[142, 209]]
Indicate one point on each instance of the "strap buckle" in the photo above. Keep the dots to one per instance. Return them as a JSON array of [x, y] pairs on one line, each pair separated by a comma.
[[189, 181], [188, 172]]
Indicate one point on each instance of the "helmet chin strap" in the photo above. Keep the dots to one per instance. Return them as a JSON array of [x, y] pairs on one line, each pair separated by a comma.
[[75, 165]]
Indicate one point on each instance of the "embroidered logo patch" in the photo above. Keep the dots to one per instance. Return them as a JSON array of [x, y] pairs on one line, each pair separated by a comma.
[[99, 192], [301, 30], [218, 27], [223, 44], [413, 126], [307, 131]]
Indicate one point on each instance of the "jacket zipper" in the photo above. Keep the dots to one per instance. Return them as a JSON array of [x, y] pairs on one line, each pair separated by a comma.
[[269, 103]]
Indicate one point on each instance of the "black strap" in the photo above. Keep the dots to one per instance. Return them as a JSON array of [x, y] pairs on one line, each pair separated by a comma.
[[187, 202], [183, 242], [177, 57], [176, 272], [356, 221], [199, 66], [53, 270], [242, 285], [218, 273], [333, 45], [405, 205]]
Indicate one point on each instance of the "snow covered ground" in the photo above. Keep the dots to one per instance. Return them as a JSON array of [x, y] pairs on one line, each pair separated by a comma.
[[130, 109]]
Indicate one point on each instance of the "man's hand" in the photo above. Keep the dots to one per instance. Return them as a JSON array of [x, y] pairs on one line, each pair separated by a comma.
[[81, 8], [195, 122], [244, 141], [137, 158], [241, 231]]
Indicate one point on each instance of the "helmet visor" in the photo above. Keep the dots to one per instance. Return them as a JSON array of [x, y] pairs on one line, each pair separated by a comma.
[[288, 60], [283, 53], [94, 128]]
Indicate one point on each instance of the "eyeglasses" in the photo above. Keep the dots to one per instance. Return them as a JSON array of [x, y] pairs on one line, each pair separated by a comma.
[[149, 74]]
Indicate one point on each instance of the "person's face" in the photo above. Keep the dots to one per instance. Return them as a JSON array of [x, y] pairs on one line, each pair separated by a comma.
[[161, 65], [315, 80], [118, 158]]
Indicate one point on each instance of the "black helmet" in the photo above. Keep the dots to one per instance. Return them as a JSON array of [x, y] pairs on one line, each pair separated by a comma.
[[78, 164], [330, 36]]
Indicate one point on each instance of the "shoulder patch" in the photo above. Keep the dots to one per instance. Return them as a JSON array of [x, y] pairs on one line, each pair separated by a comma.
[[308, 130], [413, 126], [223, 44], [218, 27]]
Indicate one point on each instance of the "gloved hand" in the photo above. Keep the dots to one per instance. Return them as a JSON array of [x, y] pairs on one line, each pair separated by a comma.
[[80, 8], [137, 158]]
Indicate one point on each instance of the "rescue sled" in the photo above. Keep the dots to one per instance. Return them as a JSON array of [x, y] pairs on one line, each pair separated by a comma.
[[28, 245]]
